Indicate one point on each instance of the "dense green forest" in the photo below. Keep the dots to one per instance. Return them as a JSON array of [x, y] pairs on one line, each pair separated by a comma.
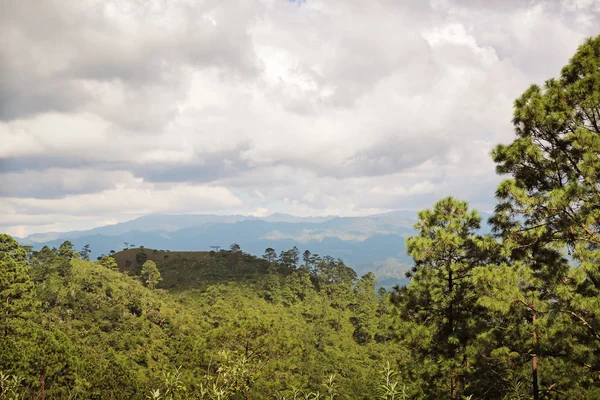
[[510, 315]]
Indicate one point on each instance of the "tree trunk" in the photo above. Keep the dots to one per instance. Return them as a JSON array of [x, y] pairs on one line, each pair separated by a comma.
[[534, 362], [43, 385], [453, 388], [453, 391]]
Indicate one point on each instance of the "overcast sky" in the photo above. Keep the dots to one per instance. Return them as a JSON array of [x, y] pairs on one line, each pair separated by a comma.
[[111, 109]]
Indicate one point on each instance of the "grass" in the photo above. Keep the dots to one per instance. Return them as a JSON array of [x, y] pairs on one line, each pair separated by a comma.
[[182, 270], [126, 259]]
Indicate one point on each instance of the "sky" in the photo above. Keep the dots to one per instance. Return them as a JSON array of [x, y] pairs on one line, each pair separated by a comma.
[[112, 109]]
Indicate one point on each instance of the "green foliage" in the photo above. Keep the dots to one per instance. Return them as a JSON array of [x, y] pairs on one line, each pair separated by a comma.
[[440, 305], [141, 258], [108, 262], [550, 206], [15, 283], [11, 387], [270, 255], [150, 274], [390, 388], [66, 250], [290, 258], [238, 327], [85, 252]]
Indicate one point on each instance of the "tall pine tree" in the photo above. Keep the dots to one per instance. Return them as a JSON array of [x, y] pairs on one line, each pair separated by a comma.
[[551, 204], [439, 306]]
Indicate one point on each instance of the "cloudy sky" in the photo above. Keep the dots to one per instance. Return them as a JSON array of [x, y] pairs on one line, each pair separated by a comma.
[[111, 109]]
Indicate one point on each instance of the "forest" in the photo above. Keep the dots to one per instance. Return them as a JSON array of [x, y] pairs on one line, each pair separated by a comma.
[[514, 314]]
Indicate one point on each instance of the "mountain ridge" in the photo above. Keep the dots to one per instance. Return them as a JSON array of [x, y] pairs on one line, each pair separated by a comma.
[[366, 243]]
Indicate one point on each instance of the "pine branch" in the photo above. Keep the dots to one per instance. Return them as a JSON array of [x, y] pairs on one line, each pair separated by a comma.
[[586, 324]]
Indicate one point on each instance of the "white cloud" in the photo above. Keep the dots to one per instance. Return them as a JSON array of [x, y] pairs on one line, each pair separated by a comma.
[[123, 202], [112, 110], [127, 200]]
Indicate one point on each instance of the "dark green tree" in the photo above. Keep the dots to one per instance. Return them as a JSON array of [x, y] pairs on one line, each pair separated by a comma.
[[66, 250], [332, 271], [290, 258], [439, 306], [85, 252], [140, 258], [365, 309], [551, 205], [270, 255], [15, 283], [306, 258], [28, 349]]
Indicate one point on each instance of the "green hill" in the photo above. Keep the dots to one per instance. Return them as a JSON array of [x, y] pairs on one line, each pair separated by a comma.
[[183, 270], [229, 323]]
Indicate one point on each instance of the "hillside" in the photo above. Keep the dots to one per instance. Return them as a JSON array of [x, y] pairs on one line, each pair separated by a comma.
[[182, 270], [231, 326]]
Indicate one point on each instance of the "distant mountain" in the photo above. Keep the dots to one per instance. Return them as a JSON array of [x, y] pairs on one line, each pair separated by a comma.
[[163, 222], [371, 243], [278, 217]]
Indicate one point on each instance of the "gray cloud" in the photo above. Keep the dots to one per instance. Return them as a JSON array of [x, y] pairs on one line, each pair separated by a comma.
[[117, 108], [112, 55], [208, 168], [57, 183]]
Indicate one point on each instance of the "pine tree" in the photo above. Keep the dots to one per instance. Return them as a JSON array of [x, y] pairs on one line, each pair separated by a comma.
[[365, 309], [551, 205], [270, 255], [290, 258], [85, 252], [15, 284], [439, 306], [27, 348], [66, 250]]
